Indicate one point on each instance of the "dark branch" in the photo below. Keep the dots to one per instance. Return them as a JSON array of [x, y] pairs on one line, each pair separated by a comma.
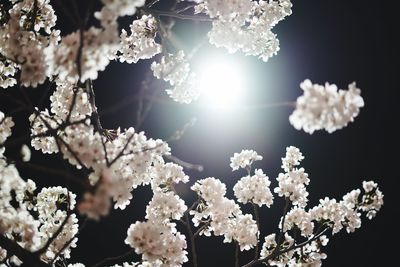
[[13, 248], [115, 259]]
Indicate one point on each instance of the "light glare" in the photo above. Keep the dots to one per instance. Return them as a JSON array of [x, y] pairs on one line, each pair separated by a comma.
[[220, 83]]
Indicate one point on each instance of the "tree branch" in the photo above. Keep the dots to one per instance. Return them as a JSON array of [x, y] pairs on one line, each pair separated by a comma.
[[256, 214], [192, 239], [29, 258], [184, 164], [236, 254], [176, 15], [115, 259]]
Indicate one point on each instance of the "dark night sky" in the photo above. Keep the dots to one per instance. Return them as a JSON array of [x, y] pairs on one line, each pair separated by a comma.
[[335, 41]]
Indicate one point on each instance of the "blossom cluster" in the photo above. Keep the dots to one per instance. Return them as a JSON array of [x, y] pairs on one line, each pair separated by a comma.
[[7, 72], [31, 218], [244, 159], [254, 189], [6, 123], [140, 44], [175, 69], [291, 184], [157, 238], [298, 220], [222, 216], [22, 45], [157, 243], [246, 25], [117, 166], [37, 49], [325, 107]]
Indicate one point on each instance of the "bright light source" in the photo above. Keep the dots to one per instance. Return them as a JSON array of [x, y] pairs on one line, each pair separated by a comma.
[[220, 83]]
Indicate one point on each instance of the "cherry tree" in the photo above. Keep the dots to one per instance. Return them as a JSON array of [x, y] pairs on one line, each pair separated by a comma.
[[40, 225]]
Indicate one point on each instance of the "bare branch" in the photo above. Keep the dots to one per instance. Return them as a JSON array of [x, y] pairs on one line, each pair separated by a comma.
[[173, 14], [184, 164], [111, 260]]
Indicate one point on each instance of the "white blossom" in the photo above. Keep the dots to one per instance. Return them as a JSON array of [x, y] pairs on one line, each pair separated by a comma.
[[97, 204], [175, 69], [372, 201], [227, 9], [164, 207], [298, 217], [145, 238], [254, 189], [351, 199], [49, 199], [292, 159], [157, 243], [140, 44], [7, 72], [123, 7], [292, 183], [22, 43], [337, 214], [310, 255], [244, 231], [246, 25], [210, 189], [40, 125], [95, 52], [166, 174], [32, 233], [270, 244], [292, 186], [186, 91], [244, 159], [51, 226], [62, 99], [325, 107], [25, 153], [6, 123]]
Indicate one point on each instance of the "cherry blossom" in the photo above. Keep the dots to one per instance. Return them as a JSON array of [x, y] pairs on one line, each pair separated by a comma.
[[40, 224], [325, 107]]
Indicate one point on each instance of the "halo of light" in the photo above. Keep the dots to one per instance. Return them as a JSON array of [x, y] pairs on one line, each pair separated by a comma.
[[221, 83]]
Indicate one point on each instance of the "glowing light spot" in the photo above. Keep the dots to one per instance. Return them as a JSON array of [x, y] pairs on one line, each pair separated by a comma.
[[221, 83]]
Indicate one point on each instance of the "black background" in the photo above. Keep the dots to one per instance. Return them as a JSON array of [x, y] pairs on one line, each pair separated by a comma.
[[335, 41]]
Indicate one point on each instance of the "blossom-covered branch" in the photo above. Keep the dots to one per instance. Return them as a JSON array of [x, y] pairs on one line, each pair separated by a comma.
[[39, 226]]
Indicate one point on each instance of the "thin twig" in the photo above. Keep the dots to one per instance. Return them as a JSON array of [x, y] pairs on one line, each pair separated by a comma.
[[192, 239], [259, 230], [151, 3], [236, 254], [204, 226], [56, 234], [282, 232], [92, 100], [33, 16], [177, 15], [114, 259], [184, 164], [69, 241], [275, 254], [73, 102]]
